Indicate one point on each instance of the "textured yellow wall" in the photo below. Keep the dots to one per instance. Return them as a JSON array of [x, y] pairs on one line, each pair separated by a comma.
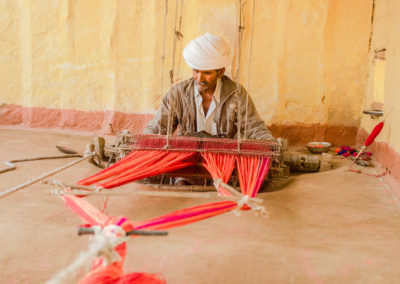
[[386, 35], [309, 58]]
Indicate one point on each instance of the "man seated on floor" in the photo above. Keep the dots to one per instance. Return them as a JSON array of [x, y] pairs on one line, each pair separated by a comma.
[[205, 105]]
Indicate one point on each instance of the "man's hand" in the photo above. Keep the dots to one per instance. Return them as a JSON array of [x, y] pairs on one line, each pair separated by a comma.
[[201, 134]]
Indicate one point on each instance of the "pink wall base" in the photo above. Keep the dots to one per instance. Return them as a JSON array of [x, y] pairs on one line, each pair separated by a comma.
[[301, 134], [386, 155], [106, 122]]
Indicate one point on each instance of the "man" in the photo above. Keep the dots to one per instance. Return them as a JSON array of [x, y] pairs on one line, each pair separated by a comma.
[[206, 103]]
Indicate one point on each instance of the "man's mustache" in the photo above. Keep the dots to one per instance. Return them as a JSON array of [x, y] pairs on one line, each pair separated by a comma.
[[202, 83]]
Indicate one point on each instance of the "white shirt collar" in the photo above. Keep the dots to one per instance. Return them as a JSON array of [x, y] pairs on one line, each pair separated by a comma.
[[206, 122]]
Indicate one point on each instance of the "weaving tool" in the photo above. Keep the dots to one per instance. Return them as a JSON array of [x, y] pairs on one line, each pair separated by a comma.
[[211, 145], [127, 142], [148, 147]]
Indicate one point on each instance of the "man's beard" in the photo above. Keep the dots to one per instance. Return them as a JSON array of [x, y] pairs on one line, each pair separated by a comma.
[[202, 86]]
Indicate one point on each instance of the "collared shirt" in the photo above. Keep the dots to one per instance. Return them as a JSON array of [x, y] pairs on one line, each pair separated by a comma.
[[206, 122]]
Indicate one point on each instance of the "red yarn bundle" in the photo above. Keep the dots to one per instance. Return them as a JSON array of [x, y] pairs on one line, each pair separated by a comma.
[[375, 132]]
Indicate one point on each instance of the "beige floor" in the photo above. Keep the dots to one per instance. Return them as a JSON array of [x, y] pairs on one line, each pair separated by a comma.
[[329, 227]]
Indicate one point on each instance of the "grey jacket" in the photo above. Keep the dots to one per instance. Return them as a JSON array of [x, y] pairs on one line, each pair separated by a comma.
[[181, 97]]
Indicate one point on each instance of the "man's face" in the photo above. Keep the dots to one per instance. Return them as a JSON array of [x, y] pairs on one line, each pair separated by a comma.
[[206, 80]]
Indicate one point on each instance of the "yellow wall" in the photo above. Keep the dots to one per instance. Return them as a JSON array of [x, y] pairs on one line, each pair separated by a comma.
[[386, 29], [309, 58]]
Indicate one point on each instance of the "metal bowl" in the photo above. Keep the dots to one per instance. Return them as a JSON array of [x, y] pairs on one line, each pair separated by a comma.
[[318, 147]]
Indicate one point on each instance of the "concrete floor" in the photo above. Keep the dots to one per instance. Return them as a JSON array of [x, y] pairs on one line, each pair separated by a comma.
[[328, 227]]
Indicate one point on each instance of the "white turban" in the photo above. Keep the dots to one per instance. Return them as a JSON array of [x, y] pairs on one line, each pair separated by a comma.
[[207, 52]]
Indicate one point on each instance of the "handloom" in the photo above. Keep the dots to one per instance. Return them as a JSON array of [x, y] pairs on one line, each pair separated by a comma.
[[155, 154]]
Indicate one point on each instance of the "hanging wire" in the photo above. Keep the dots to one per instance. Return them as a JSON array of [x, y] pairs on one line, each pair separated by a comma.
[[250, 59], [171, 72], [181, 41], [163, 48], [162, 60], [177, 35], [240, 28]]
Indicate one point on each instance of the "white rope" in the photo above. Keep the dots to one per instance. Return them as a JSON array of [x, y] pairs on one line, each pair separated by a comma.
[[242, 201], [45, 175], [103, 244], [259, 208], [107, 239], [250, 201], [217, 182]]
